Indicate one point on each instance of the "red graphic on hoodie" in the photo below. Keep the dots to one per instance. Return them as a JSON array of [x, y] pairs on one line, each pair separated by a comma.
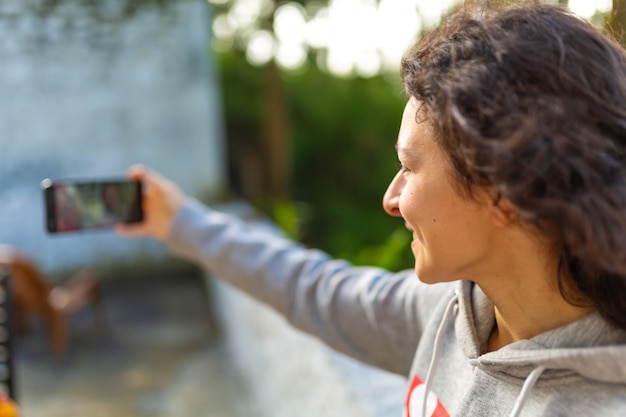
[[414, 404]]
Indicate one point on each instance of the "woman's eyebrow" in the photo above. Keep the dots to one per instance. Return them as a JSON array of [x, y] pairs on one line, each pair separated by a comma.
[[405, 150]]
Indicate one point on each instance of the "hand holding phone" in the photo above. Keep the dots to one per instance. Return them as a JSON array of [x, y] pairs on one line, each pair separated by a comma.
[[162, 200], [74, 205]]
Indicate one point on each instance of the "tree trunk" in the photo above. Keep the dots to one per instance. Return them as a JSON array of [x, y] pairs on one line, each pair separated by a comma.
[[617, 21], [275, 128], [275, 135]]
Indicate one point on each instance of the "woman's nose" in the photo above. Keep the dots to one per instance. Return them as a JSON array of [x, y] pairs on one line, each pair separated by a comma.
[[391, 199]]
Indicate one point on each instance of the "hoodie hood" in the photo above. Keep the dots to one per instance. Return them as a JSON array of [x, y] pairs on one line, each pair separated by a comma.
[[590, 347]]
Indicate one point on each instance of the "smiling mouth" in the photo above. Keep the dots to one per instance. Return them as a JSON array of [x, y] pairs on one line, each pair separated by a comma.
[[413, 232]]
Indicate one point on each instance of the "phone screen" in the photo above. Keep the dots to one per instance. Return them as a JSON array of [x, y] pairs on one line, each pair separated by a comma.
[[83, 205]]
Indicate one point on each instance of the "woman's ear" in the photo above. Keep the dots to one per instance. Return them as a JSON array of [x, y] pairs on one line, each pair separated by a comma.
[[504, 212]]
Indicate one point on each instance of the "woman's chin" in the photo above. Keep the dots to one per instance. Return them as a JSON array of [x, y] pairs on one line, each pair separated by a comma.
[[429, 275]]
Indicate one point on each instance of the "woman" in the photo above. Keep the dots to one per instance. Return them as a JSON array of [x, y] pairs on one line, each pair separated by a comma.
[[513, 184]]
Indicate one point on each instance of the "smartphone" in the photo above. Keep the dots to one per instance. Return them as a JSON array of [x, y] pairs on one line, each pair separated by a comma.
[[72, 206]]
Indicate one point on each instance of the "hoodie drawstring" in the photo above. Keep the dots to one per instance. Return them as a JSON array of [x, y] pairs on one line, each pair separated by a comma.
[[529, 383], [526, 388], [434, 361]]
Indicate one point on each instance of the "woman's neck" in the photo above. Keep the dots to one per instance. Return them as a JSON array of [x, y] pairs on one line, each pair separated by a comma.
[[528, 304], [513, 326], [526, 293]]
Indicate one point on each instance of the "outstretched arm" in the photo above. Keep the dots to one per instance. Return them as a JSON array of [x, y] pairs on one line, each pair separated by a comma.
[[371, 314]]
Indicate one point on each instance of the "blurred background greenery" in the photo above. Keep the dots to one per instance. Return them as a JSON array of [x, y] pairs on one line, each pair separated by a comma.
[[313, 98]]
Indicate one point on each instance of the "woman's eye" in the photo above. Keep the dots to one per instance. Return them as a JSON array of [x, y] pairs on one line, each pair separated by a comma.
[[401, 168]]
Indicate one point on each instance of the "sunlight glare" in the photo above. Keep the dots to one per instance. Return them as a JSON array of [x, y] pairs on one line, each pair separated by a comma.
[[586, 8], [289, 23], [316, 32], [368, 64], [376, 37], [222, 27], [399, 25], [244, 13], [431, 11], [260, 47], [291, 56], [357, 36], [344, 44]]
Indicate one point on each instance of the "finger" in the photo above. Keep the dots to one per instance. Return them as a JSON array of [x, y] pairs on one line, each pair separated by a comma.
[[148, 177], [137, 172]]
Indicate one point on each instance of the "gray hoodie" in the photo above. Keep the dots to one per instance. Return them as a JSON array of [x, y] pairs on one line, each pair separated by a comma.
[[436, 335]]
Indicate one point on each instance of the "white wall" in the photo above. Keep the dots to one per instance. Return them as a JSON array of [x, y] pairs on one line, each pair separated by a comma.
[[87, 90]]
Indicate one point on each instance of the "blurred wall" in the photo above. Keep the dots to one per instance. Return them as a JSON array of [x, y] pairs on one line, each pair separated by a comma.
[[87, 89]]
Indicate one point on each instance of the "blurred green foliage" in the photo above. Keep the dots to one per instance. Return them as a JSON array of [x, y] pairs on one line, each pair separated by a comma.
[[343, 132], [343, 135]]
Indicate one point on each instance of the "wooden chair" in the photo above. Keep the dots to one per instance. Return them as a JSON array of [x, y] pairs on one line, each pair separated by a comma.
[[35, 294]]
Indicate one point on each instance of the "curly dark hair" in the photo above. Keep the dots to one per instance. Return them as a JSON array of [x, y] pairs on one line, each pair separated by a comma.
[[531, 101]]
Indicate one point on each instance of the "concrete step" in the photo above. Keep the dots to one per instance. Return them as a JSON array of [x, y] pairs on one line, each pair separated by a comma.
[[161, 357]]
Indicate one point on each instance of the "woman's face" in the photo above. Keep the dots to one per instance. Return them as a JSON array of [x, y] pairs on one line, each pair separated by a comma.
[[452, 234]]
